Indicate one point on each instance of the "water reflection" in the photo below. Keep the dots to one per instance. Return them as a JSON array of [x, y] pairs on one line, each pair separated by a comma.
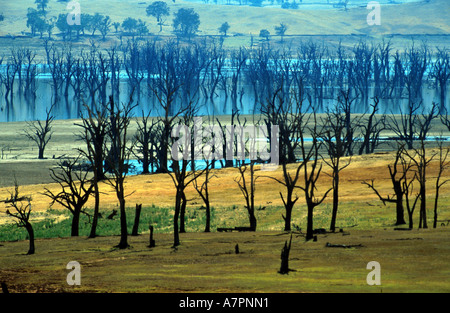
[[18, 107]]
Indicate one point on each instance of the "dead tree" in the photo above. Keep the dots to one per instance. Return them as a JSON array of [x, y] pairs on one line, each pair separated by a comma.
[[398, 181], [411, 198], [152, 243], [415, 65], [137, 216], [444, 164], [284, 268], [382, 69], [145, 144], [117, 157], [420, 159], [30, 74], [41, 132], [75, 189], [18, 56], [21, 213], [248, 191], [337, 141], [312, 168], [181, 178], [290, 199], [55, 62], [445, 119], [404, 127], [288, 114], [363, 69], [94, 127], [441, 74], [203, 192], [8, 79], [166, 93], [290, 118], [371, 129]]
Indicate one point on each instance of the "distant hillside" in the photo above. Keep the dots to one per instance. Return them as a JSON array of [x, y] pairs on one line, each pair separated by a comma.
[[429, 17]]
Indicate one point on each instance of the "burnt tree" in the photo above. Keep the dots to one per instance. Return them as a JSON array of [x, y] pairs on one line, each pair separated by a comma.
[[75, 189], [398, 178], [117, 157], [41, 132], [21, 213], [94, 125]]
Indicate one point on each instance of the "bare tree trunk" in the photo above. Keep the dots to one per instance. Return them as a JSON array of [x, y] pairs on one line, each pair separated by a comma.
[[93, 233], [176, 215], [335, 201], [136, 220], [30, 231], [75, 223], [123, 223], [183, 212]]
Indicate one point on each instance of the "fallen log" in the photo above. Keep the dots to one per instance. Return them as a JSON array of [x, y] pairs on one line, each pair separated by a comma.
[[330, 245]]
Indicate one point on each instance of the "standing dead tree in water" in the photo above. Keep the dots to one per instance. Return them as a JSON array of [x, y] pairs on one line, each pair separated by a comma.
[[166, 90], [363, 69], [30, 74], [441, 73], [56, 66], [7, 78], [415, 64], [41, 132], [21, 213], [75, 189], [382, 70]]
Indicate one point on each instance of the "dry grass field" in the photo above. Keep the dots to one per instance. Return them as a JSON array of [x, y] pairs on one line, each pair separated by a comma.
[[411, 261], [414, 260]]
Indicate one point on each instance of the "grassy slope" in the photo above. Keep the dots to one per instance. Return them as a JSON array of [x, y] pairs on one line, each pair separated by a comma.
[[411, 18]]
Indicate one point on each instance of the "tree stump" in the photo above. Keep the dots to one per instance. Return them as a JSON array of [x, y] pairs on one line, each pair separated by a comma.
[[136, 220], [284, 269], [4, 287], [111, 216], [236, 249], [152, 241]]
